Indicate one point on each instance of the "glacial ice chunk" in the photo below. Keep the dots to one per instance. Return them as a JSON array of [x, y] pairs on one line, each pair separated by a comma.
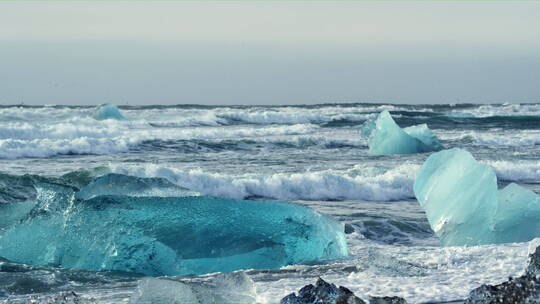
[[119, 184], [518, 214], [386, 137], [229, 288], [159, 291], [107, 111], [169, 235], [463, 206]]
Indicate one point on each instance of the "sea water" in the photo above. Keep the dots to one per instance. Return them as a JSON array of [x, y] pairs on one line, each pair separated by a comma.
[[310, 155]]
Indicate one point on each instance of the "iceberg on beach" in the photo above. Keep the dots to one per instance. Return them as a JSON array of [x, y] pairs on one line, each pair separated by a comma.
[[107, 111], [464, 207], [386, 137], [158, 236]]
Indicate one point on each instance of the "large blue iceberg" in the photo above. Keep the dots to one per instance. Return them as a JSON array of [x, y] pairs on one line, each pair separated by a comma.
[[159, 236], [384, 136], [107, 111], [463, 206]]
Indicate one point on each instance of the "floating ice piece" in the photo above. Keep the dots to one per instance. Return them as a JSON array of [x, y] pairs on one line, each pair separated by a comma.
[[119, 184], [386, 137], [107, 111], [463, 206], [230, 288], [169, 235]]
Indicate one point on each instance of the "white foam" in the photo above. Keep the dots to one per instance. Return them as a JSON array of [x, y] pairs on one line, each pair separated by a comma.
[[295, 116], [518, 170], [274, 117], [390, 185], [13, 148], [46, 114], [498, 110], [497, 137], [448, 273], [68, 129], [24, 139], [517, 139]]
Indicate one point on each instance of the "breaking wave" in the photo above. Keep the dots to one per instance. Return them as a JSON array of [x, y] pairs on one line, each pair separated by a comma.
[[391, 185], [497, 138], [503, 110], [89, 137], [516, 171], [358, 183]]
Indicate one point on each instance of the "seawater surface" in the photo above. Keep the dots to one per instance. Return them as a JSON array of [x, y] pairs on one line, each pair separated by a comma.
[[312, 155]]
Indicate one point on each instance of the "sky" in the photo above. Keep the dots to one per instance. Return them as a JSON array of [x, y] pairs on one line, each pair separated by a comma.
[[269, 52]]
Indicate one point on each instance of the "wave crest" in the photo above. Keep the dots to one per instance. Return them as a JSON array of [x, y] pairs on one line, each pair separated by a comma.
[[391, 185]]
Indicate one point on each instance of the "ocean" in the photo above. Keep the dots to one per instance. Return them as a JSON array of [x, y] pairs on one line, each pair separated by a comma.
[[312, 155]]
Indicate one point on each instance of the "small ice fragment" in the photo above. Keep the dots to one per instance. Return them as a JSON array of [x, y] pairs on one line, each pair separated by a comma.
[[107, 111]]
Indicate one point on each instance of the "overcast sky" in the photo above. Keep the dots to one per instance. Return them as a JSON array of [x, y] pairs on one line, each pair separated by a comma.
[[273, 52]]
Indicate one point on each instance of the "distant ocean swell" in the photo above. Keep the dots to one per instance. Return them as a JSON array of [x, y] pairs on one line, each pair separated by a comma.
[[93, 142]]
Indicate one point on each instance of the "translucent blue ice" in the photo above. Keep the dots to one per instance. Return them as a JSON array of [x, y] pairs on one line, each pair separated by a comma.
[[386, 137], [463, 206], [119, 184], [228, 288], [107, 111], [169, 235], [518, 215]]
